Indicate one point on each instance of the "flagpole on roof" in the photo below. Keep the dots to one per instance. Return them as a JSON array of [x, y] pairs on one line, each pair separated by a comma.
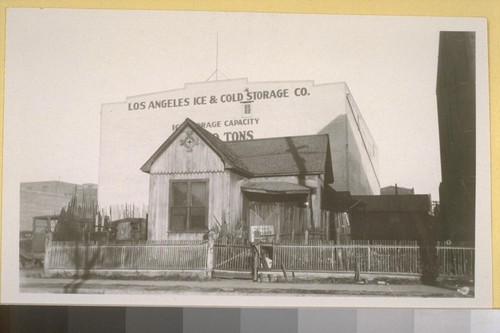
[[217, 71]]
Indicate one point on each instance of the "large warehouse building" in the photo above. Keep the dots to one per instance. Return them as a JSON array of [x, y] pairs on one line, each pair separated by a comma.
[[234, 110]]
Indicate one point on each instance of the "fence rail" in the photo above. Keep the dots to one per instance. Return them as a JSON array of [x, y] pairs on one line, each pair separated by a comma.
[[456, 261], [383, 259], [94, 256], [129, 242], [345, 258], [403, 259], [233, 257], [168, 255]]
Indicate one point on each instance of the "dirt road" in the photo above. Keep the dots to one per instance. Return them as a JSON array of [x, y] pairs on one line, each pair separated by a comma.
[[33, 284]]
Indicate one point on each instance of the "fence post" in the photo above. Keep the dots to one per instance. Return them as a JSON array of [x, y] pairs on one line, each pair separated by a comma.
[[369, 258], [46, 259], [326, 222], [210, 255]]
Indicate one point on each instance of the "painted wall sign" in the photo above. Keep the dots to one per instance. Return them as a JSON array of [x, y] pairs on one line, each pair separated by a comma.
[[242, 97], [234, 110]]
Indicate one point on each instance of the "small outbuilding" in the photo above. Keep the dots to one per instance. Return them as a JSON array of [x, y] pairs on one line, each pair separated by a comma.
[[271, 187], [392, 217]]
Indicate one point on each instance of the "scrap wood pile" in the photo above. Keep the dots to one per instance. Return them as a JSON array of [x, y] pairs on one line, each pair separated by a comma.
[[77, 220], [124, 211]]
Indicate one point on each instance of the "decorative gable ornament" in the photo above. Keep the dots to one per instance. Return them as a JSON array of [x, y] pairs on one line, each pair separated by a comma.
[[189, 142]]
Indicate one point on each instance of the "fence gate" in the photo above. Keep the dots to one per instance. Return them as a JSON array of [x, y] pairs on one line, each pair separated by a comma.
[[233, 260]]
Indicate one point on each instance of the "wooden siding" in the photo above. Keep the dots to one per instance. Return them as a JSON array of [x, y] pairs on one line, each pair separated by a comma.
[[218, 203], [224, 187], [235, 199], [177, 158], [177, 163]]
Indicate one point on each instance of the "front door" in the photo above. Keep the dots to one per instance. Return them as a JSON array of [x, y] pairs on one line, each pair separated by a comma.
[[275, 217]]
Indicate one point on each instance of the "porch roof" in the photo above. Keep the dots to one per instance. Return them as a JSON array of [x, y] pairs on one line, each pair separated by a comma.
[[274, 188]]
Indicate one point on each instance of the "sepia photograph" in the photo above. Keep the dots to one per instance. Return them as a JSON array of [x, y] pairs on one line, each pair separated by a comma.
[[249, 159]]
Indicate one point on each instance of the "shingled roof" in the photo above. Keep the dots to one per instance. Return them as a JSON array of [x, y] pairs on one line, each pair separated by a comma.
[[295, 155]]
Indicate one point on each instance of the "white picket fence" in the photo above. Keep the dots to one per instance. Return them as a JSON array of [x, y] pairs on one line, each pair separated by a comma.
[[165, 255], [368, 258]]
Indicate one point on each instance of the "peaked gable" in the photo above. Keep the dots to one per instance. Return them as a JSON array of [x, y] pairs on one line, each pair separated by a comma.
[[296, 155], [229, 158]]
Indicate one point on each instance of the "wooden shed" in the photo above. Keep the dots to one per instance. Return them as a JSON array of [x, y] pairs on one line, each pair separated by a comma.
[[392, 217], [200, 183]]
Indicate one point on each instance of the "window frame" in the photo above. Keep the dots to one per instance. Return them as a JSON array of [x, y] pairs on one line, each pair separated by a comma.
[[247, 106], [187, 225]]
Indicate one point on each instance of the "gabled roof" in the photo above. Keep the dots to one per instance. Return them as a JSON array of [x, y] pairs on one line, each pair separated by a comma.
[[230, 159], [285, 155], [297, 155]]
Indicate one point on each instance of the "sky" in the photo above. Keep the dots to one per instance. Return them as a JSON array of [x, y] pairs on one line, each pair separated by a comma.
[[61, 65]]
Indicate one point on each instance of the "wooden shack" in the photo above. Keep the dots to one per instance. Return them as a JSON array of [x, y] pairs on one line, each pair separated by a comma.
[[392, 217], [199, 183]]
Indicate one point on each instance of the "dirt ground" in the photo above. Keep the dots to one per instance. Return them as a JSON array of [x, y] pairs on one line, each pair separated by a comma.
[[32, 281]]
